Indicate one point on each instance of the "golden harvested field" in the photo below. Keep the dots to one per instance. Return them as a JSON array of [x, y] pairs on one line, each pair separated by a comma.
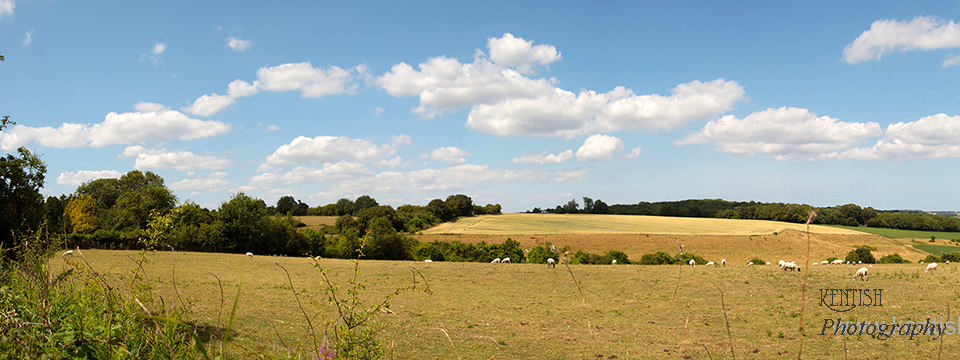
[[523, 224], [317, 222]]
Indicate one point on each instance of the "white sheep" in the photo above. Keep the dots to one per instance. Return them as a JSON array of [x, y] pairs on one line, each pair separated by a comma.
[[614, 262], [68, 253], [505, 260], [495, 261], [861, 274], [948, 261], [551, 263], [815, 264], [824, 262], [711, 263], [781, 262], [750, 263], [836, 262], [768, 263], [931, 267], [693, 263], [428, 261], [250, 254], [723, 262], [790, 266]]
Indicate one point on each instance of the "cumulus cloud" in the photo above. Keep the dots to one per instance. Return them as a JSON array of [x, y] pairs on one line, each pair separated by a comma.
[[272, 128], [159, 48], [599, 147], [450, 154], [310, 81], [635, 153], [207, 105], [151, 124], [237, 44], [239, 88], [377, 111], [459, 177], [214, 182], [543, 158], [179, 160], [156, 53], [394, 163], [925, 32], [77, 178], [931, 137], [6, 8], [952, 60], [330, 172], [305, 150], [519, 53], [787, 133], [506, 101], [28, 38]]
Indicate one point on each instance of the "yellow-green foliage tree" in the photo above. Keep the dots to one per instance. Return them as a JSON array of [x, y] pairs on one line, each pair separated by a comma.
[[84, 214]]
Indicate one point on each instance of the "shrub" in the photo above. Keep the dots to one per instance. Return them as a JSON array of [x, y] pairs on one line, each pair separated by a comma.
[[539, 254], [932, 258], [685, 258], [861, 254], [657, 258], [831, 259], [852, 257], [954, 256], [893, 259], [619, 256], [758, 261]]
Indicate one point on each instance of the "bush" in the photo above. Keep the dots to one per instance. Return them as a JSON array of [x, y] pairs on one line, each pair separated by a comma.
[[657, 258], [831, 259], [685, 259], [861, 254], [758, 261], [893, 259], [954, 256], [932, 258], [852, 257], [619, 256], [539, 254]]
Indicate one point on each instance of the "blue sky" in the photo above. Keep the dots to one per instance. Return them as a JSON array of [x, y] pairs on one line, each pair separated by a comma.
[[524, 105]]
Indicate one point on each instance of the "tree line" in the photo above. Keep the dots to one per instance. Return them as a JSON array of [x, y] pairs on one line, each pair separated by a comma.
[[847, 215]]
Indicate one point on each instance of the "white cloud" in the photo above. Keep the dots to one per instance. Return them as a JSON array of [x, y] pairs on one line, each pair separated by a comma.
[[76, 178], [28, 38], [543, 158], [312, 82], [922, 33], [951, 60], [239, 88], [328, 173], [272, 128], [931, 137], [133, 151], [565, 114], [449, 154], [519, 53], [377, 111], [304, 150], [159, 48], [459, 177], [214, 182], [207, 105], [238, 44], [635, 153], [599, 147], [6, 7], [504, 101], [787, 133], [394, 163], [180, 160], [152, 124]]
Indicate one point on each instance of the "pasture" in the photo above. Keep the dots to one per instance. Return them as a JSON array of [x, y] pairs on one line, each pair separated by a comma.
[[482, 311], [903, 234]]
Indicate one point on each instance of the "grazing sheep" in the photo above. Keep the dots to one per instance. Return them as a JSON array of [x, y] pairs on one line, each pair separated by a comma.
[[781, 262], [68, 253], [723, 262], [861, 273], [750, 263], [614, 262], [768, 263], [948, 261], [815, 264], [505, 260], [837, 262], [428, 261], [824, 262], [931, 267], [495, 261], [551, 263], [693, 263], [711, 263], [250, 254], [790, 266]]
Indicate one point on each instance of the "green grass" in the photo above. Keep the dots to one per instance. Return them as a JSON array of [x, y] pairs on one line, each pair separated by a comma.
[[903, 234], [937, 249], [481, 311]]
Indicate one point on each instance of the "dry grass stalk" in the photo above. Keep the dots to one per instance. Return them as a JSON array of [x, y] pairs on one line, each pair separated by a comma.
[[455, 351], [803, 287], [723, 306]]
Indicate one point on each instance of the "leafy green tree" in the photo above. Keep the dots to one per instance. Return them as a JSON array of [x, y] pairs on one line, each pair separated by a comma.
[[540, 253], [104, 191], [364, 202], [242, 221], [571, 207], [460, 204], [21, 178], [441, 210], [53, 213], [285, 205], [383, 242], [84, 214], [345, 207]]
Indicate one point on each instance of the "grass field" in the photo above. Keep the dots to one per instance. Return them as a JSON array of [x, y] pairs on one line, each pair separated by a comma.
[[937, 249], [523, 224], [903, 234], [512, 311], [317, 222]]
